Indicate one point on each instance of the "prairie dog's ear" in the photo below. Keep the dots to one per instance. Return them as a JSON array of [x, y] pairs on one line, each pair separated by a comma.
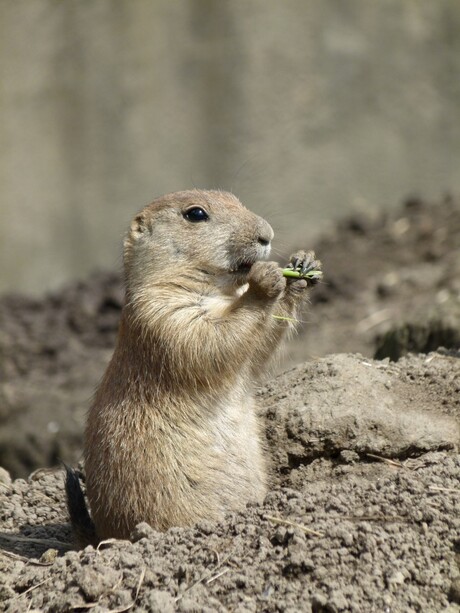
[[139, 226]]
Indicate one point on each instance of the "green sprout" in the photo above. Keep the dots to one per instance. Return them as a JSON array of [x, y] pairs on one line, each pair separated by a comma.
[[281, 318], [312, 275]]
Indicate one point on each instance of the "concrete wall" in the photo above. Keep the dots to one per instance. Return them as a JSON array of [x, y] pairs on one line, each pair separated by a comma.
[[305, 108]]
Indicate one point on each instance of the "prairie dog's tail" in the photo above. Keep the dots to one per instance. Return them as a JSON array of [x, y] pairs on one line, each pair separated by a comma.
[[82, 524]]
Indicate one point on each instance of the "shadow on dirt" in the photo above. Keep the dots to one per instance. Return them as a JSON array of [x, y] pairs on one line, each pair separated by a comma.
[[35, 542]]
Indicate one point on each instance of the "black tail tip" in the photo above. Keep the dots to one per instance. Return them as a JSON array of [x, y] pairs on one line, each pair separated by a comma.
[[82, 524]]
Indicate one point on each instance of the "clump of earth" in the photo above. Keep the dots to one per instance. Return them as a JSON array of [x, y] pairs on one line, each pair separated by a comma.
[[363, 510]]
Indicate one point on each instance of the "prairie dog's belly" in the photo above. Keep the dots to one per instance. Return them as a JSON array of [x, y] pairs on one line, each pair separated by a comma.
[[236, 440], [199, 468]]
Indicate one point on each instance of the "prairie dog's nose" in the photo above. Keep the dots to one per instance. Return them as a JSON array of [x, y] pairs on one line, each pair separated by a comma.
[[265, 233]]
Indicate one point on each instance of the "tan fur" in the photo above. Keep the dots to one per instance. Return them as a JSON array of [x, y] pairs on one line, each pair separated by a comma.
[[172, 436]]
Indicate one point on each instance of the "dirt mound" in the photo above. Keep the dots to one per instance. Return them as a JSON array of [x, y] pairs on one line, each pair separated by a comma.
[[391, 281], [347, 406], [340, 530]]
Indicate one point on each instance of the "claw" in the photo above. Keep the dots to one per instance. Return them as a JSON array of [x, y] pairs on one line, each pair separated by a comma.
[[307, 266], [305, 263]]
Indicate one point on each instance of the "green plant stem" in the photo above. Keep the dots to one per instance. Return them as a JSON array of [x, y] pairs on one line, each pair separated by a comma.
[[312, 274]]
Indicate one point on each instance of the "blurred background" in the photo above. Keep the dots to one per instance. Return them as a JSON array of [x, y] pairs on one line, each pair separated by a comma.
[[306, 110]]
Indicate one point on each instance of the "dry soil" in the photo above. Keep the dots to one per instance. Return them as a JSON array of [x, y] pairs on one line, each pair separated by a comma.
[[363, 509]]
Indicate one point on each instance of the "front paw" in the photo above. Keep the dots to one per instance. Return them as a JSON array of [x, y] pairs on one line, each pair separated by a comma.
[[266, 279], [309, 269]]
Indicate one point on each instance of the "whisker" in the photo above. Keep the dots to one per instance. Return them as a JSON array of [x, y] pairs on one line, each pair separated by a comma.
[[238, 171]]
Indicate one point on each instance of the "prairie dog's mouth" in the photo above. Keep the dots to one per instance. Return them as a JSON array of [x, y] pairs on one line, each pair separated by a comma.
[[240, 265], [242, 268]]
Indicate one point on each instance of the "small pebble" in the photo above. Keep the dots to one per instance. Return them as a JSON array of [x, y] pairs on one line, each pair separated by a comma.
[[48, 556]]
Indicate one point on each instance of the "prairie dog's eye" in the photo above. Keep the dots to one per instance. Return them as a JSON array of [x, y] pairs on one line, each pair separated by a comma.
[[196, 214]]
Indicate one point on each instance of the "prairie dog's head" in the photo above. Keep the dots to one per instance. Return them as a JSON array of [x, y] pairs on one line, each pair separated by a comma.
[[195, 231]]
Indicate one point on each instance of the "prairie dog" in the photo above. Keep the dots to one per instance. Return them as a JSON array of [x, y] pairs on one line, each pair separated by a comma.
[[172, 436]]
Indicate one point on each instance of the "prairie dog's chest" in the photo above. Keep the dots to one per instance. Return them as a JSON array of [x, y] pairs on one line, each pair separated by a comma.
[[217, 304]]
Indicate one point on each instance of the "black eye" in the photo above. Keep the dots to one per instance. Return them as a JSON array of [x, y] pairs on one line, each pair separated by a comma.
[[196, 214]]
